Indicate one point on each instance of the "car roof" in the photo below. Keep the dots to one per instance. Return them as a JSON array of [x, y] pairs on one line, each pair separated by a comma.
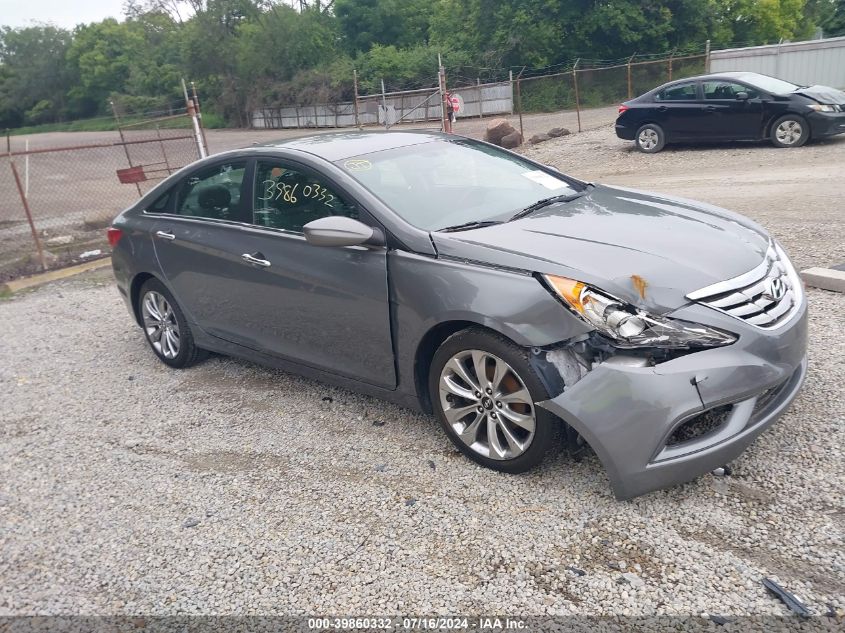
[[732, 74], [334, 146]]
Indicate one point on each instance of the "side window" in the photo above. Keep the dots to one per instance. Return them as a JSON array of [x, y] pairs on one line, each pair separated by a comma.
[[161, 204], [289, 199], [214, 193], [679, 92], [726, 90]]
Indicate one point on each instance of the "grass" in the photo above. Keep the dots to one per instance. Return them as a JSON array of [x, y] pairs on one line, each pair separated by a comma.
[[210, 120]]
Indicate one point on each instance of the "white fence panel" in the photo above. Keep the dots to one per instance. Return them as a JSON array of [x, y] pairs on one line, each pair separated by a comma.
[[805, 63], [406, 107]]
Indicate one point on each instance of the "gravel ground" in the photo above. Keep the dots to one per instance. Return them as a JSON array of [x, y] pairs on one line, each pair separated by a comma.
[[127, 487]]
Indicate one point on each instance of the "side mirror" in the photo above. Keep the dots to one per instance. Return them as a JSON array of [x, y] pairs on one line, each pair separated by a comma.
[[742, 96], [338, 230]]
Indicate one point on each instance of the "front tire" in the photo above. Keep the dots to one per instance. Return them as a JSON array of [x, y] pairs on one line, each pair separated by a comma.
[[790, 130], [650, 138], [483, 390], [165, 328]]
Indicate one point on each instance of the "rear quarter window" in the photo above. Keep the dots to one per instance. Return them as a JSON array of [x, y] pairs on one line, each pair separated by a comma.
[[679, 92]]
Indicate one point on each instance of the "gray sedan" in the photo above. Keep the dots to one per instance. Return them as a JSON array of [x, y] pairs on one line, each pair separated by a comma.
[[524, 308]]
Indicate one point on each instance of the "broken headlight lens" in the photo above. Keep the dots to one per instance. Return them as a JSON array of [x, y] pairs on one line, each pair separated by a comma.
[[628, 326]]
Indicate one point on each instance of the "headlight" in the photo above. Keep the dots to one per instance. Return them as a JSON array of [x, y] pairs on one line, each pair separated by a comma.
[[823, 108], [629, 326]]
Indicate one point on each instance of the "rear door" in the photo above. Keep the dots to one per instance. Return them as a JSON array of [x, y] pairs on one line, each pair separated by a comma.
[[679, 111], [726, 116]]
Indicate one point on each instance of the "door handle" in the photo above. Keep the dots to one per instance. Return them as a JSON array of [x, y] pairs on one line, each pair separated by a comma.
[[662, 109], [710, 108], [165, 235], [257, 259]]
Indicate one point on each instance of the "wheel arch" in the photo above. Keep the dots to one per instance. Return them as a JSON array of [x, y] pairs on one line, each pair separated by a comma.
[[429, 344], [135, 292], [767, 130]]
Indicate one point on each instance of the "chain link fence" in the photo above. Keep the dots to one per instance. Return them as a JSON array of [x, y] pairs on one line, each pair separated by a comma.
[[55, 212], [590, 85], [56, 201]]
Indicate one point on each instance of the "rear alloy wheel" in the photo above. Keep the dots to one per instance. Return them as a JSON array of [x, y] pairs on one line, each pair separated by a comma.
[[650, 138], [484, 391], [790, 130], [165, 327]]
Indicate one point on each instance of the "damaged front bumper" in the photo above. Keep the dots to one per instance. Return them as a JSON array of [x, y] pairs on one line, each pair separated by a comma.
[[661, 425]]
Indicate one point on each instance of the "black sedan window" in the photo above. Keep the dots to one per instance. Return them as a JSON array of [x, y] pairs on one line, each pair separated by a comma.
[[289, 199], [678, 92], [726, 90]]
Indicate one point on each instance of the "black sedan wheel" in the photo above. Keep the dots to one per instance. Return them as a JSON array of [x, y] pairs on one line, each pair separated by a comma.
[[650, 138], [166, 328], [483, 390], [790, 130]]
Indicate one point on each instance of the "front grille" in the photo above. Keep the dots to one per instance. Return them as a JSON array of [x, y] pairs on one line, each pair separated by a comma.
[[765, 296]]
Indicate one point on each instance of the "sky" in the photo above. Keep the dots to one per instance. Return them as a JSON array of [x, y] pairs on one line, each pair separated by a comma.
[[62, 13]]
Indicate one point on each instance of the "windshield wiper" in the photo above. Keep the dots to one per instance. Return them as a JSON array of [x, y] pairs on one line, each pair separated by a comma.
[[545, 202], [466, 226]]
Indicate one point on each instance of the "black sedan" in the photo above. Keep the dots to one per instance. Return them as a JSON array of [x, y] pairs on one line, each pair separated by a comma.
[[731, 106]]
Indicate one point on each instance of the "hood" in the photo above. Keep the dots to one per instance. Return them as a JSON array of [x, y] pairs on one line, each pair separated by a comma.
[[823, 94], [648, 249]]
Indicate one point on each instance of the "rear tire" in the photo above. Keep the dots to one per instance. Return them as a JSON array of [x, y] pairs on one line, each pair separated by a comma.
[[790, 130], [492, 419], [650, 138], [165, 328]]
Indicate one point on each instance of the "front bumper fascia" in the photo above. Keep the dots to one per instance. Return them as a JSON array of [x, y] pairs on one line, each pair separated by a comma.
[[627, 413], [826, 123]]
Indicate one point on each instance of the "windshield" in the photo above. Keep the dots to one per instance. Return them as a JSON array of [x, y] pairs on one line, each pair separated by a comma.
[[447, 183], [770, 84]]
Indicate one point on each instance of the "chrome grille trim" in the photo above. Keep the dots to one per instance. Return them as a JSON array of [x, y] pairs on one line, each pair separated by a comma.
[[747, 297]]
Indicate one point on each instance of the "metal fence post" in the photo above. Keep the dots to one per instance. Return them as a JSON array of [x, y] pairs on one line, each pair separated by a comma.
[[480, 98], [671, 55], [384, 105], [355, 103], [707, 56], [445, 120], [519, 100], [510, 78], [630, 83], [26, 209], [199, 117], [123, 140], [577, 96]]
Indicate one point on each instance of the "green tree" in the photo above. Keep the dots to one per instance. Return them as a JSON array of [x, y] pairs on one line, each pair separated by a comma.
[[33, 71], [103, 55], [366, 23]]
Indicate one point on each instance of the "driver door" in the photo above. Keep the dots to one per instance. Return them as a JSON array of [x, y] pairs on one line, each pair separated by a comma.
[[729, 118], [260, 284]]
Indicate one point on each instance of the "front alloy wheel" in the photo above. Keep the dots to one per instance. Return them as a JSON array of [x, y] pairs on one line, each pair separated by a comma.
[[484, 389], [487, 404]]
